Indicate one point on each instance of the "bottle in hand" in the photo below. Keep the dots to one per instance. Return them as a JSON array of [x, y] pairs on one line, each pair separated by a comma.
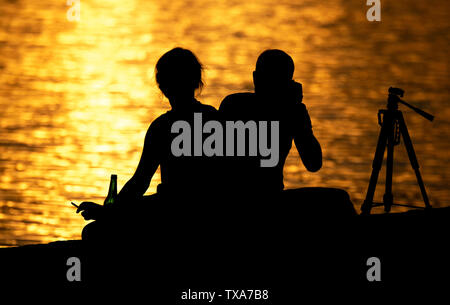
[[112, 193]]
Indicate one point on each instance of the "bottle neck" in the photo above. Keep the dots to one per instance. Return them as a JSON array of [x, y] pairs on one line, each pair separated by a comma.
[[112, 192]]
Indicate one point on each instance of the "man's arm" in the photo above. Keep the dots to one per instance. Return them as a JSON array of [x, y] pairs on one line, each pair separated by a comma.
[[307, 145]]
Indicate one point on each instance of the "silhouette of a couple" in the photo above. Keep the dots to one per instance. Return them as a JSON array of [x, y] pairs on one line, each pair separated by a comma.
[[233, 181]]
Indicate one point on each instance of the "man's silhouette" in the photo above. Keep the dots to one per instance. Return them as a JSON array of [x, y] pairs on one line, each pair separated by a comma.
[[277, 97]]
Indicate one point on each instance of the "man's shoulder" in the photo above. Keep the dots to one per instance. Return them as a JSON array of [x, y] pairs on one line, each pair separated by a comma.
[[207, 108], [239, 97], [237, 100]]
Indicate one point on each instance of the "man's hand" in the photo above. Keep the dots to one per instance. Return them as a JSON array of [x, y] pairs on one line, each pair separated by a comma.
[[91, 210], [296, 92]]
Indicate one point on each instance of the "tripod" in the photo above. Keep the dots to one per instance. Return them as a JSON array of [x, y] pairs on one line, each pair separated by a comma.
[[393, 127]]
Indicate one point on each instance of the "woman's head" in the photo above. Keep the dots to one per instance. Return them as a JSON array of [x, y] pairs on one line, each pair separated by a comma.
[[179, 73]]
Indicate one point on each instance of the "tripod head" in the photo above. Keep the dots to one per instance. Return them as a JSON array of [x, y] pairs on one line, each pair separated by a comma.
[[394, 100]]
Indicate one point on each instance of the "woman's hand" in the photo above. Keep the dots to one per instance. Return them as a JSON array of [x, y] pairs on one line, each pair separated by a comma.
[[91, 210]]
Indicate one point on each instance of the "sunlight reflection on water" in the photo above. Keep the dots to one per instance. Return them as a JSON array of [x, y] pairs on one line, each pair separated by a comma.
[[77, 97]]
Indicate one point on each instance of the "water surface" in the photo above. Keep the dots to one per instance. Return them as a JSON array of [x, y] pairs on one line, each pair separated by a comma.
[[76, 98]]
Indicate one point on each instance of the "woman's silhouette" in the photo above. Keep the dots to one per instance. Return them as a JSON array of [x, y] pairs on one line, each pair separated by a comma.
[[179, 76]]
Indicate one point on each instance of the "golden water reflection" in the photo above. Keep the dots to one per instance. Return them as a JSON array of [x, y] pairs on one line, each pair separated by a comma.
[[77, 97]]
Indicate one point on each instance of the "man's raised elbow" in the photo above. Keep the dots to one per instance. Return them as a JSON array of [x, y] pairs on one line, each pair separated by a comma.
[[314, 167]]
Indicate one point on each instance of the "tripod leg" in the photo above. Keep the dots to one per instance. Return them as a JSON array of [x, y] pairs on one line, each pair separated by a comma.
[[413, 158], [376, 166], [388, 198]]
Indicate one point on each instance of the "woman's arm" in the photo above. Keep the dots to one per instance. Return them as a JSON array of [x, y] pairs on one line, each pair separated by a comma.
[[150, 160], [137, 185]]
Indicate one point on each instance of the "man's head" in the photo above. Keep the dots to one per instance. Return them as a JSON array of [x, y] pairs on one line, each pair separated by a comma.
[[273, 73]]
